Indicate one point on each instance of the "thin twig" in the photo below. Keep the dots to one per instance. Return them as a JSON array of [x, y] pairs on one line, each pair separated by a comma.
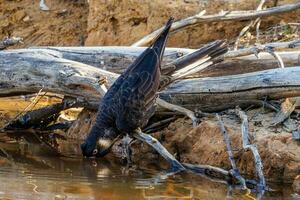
[[157, 125], [251, 24], [252, 147], [235, 172], [275, 55], [257, 31]]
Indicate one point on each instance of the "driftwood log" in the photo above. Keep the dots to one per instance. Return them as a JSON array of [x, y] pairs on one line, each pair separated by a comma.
[[28, 72], [116, 59]]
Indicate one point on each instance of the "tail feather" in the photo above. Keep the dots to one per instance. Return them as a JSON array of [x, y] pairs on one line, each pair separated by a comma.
[[159, 43], [188, 59], [194, 62]]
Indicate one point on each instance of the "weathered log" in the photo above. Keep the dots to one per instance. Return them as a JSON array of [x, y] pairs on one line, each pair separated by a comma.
[[116, 59], [219, 93], [24, 73], [113, 59], [250, 63]]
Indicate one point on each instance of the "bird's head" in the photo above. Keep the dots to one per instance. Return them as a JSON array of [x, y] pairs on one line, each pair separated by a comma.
[[90, 148], [95, 147]]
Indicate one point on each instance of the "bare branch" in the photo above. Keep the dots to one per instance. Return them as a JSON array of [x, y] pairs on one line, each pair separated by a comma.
[[252, 147], [222, 16], [251, 24], [235, 172]]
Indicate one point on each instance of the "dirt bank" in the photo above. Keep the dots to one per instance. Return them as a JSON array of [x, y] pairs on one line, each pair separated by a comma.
[[63, 25], [125, 22], [122, 22]]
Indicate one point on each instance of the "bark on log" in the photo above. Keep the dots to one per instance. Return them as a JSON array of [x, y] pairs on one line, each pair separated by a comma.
[[24, 73]]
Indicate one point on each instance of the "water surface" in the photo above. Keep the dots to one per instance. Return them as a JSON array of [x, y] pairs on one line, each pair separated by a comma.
[[31, 171]]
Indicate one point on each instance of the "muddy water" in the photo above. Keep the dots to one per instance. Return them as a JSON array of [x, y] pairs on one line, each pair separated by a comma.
[[32, 171]]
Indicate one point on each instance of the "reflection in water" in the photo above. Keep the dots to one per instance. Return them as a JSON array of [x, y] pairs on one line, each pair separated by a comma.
[[27, 172]]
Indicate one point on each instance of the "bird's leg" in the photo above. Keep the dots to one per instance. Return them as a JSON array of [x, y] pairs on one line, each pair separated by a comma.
[[175, 164], [126, 151]]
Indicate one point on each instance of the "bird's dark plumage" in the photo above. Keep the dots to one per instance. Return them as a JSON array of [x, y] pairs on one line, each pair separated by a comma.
[[129, 103]]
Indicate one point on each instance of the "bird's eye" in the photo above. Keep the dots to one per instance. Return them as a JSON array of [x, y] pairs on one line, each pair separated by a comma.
[[95, 151]]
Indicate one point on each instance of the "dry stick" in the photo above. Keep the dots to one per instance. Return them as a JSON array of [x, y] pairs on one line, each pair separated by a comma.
[[275, 55], [235, 172], [252, 147], [157, 125], [251, 24], [257, 31], [223, 16], [211, 171], [180, 109], [33, 103], [243, 32]]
